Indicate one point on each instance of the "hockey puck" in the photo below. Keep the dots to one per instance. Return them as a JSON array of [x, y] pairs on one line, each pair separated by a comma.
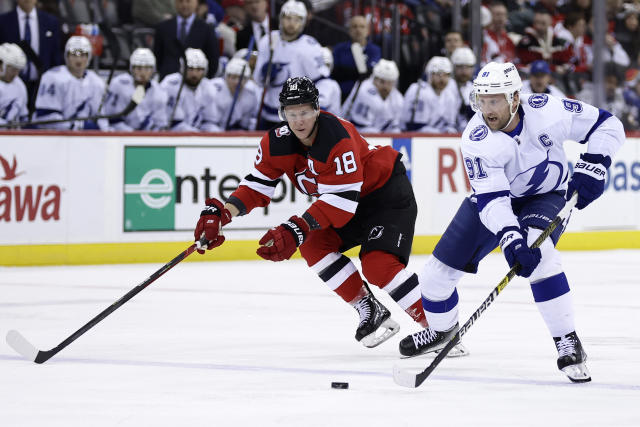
[[341, 386]]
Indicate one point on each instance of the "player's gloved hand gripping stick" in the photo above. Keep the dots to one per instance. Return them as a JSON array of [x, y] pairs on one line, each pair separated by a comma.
[[410, 379]]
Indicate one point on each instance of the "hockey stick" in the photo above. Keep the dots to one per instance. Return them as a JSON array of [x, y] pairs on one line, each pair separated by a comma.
[[183, 50], [27, 350], [267, 77], [114, 47], [357, 51], [238, 88], [136, 99], [408, 379]]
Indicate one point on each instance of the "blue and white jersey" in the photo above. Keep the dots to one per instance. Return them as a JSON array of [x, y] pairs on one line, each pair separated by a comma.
[[297, 58], [13, 101], [245, 111], [61, 95], [150, 114], [369, 112], [194, 111], [330, 95], [531, 159], [424, 110]]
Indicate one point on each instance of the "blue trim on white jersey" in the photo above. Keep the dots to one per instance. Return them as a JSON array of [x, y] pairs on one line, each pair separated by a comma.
[[484, 199], [550, 288], [441, 306], [518, 128], [602, 116]]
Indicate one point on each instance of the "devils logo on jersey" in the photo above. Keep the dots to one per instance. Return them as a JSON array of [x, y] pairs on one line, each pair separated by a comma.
[[306, 183]]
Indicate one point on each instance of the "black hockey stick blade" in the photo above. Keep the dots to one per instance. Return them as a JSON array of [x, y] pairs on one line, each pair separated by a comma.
[[411, 379], [27, 350]]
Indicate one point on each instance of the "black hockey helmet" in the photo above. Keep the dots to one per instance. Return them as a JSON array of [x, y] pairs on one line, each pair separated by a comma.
[[296, 91]]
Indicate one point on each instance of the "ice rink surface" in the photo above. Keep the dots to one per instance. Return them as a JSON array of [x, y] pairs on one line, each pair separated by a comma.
[[259, 343]]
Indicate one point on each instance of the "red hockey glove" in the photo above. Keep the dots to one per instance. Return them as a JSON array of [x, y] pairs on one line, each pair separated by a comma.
[[281, 242], [212, 218]]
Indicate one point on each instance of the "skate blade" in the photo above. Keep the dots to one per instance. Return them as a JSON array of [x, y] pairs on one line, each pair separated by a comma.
[[577, 373], [390, 329], [459, 350]]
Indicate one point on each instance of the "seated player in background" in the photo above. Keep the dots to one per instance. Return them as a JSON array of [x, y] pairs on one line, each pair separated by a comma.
[[13, 92]]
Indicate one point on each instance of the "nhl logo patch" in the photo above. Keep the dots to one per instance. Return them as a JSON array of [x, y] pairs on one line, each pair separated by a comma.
[[478, 133], [282, 131], [538, 100]]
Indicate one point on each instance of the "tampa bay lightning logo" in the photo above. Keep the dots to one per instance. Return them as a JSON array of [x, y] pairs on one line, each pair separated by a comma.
[[544, 177], [478, 133], [538, 100], [280, 72]]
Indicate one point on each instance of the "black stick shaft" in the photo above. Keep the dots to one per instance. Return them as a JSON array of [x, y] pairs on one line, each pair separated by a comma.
[[43, 356]]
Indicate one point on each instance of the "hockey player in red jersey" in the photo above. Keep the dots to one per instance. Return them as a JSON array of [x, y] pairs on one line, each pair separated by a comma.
[[364, 198]]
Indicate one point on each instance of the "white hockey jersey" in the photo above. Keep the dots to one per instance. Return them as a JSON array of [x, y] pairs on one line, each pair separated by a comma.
[[423, 110], [150, 114], [195, 110], [551, 89], [61, 95], [245, 111], [330, 95], [13, 101], [369, 112], [297, 58], [531, 159]]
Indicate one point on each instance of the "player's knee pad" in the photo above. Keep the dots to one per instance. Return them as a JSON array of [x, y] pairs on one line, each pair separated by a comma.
[[438, 280], [550, 263], [319, 244], [380, 267]]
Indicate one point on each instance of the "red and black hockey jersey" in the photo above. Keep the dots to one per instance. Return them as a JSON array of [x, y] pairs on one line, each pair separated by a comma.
[[339, 168]]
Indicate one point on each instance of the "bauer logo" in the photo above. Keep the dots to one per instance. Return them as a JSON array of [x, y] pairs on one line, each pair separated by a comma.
[[149, 196]]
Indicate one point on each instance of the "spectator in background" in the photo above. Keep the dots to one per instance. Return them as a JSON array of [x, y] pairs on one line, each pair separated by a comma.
[[573, 30], [497, 45], [330, 96], [13, 92], [627, 31], [540, 42], [631, 96], [151, 113], [452, 41], [613, 97], [375, 105], [540, 80], [256, 25], [35, 30], [152, 12], [345, 71], [182, 31], [233, 22], [432, 106]]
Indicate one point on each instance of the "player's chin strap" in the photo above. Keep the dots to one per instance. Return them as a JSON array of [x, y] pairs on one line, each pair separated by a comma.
[[513, 113]]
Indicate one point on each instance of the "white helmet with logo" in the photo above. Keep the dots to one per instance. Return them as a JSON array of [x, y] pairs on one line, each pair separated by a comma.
[[294, 8], [439, 64], [78, 44], [236, 67], [386, 70], [463, 56], [196, 59], [494, 79], [11, 54], [142, 57]]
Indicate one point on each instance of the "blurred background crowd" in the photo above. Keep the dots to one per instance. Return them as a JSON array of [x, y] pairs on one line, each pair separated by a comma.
[[388, 66]]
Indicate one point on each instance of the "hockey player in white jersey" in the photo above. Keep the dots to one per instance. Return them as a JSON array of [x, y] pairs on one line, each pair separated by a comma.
[[13, 92], [432, 106], [286, 53], [375, 105], [330, 92], [194, 111], [237, 76], [516, 164], [464, 63], [151, 113], [71, 91]]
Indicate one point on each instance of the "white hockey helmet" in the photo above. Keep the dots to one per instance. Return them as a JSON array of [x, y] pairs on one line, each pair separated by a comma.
[[78, 44], [494, 79], [386, 70], [463, 56], [438, 64], [196, 59], [11, 54], [142, 57], [236, 67], [327, 56], [294, 8]]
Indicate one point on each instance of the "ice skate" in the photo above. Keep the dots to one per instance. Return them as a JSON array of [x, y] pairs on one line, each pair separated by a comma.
[[572, 358], [373, 317], [428, 340]]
